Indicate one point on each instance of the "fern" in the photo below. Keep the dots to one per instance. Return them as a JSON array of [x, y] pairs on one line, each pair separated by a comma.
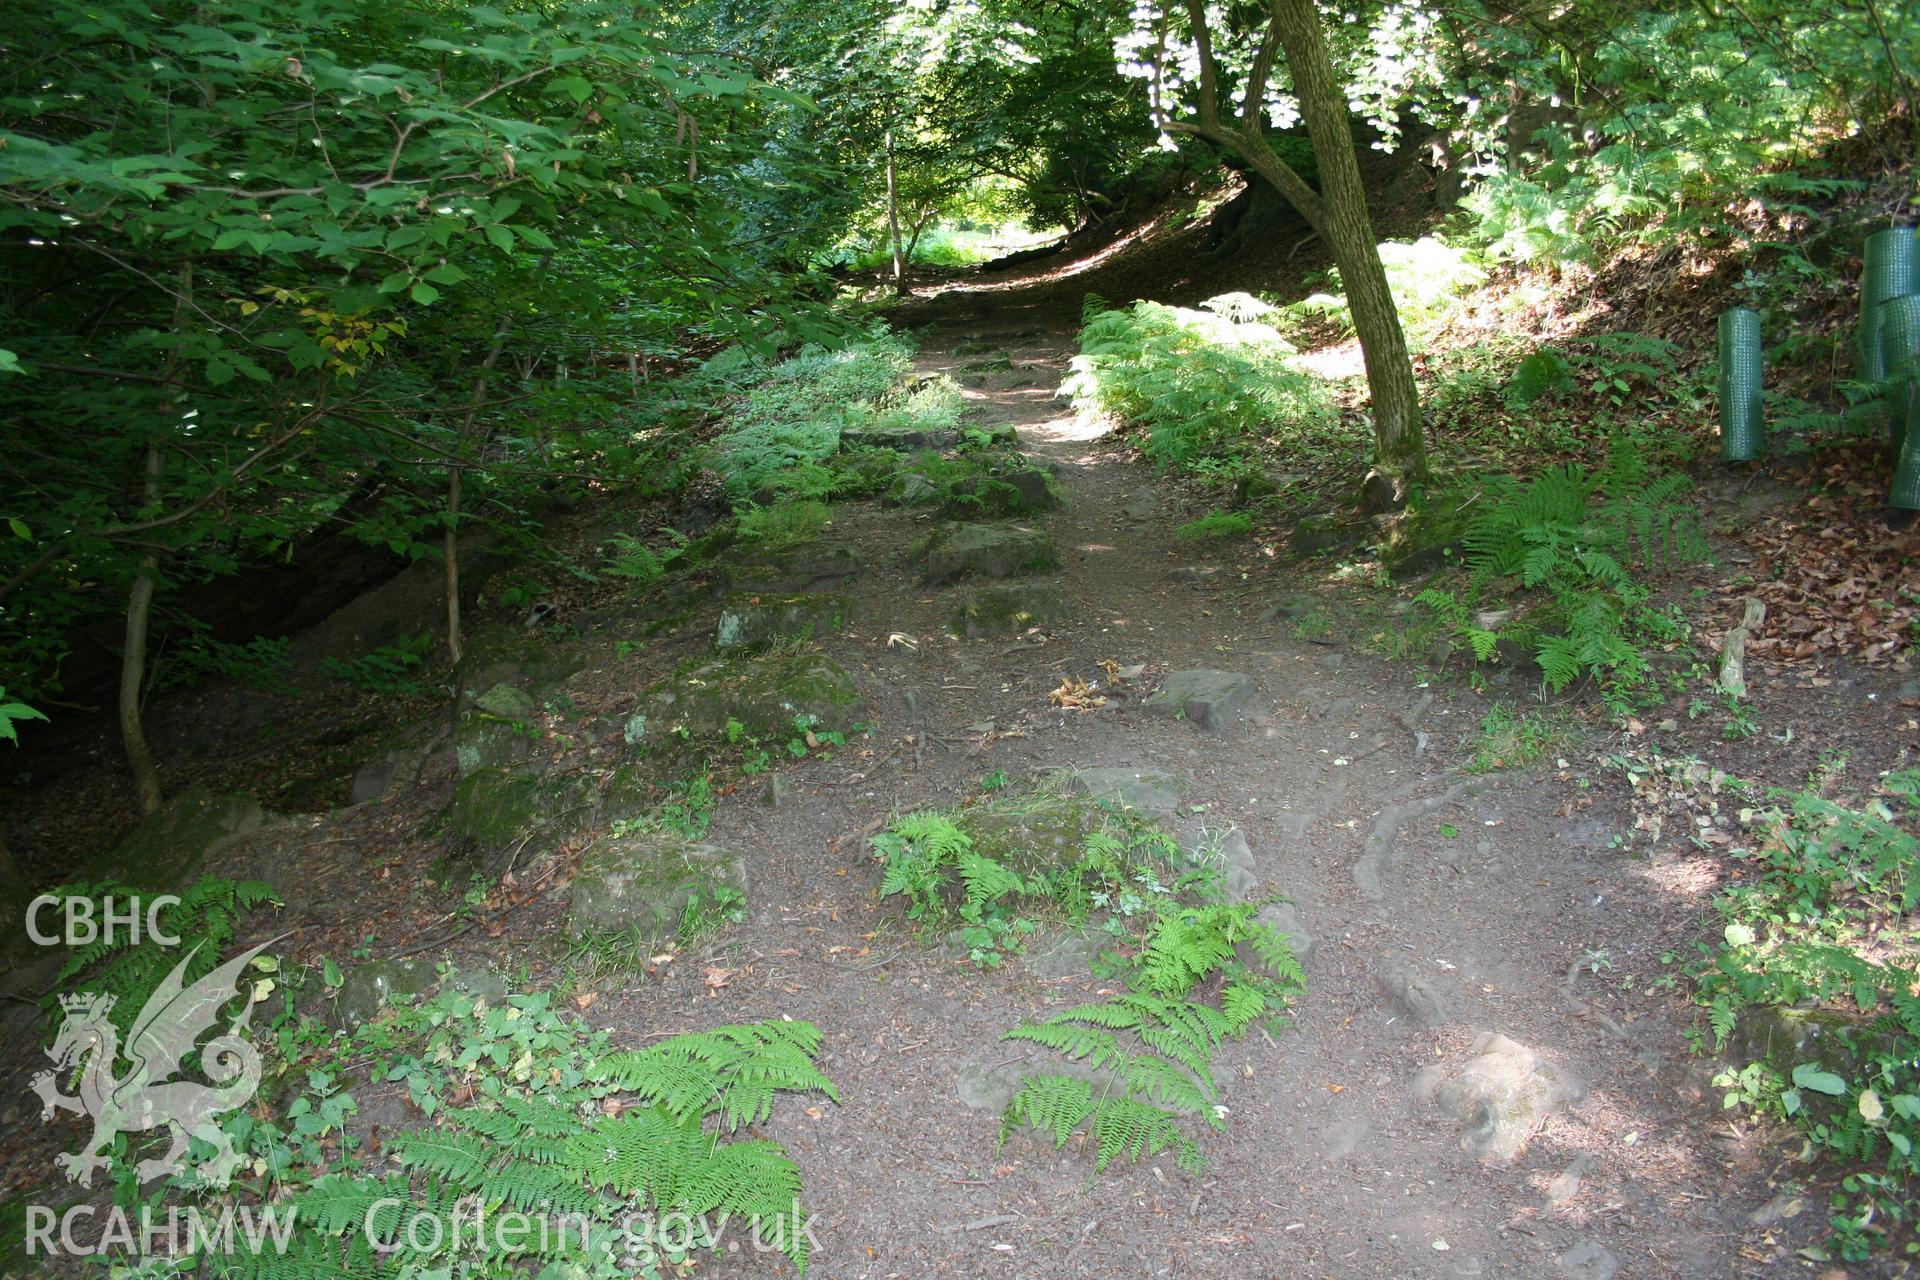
[[731, 1073], [1580, 537], [124, 966], [1117, 1126]]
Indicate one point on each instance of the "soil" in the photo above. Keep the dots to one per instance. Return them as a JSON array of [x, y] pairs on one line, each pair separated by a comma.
[[1444, 903]]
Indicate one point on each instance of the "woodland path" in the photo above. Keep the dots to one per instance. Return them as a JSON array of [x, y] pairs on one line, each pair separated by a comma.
[[1443, 906]]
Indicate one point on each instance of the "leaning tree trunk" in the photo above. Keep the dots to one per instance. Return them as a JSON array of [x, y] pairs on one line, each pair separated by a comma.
[[1399, 438], [133, 661], [1338, 212]]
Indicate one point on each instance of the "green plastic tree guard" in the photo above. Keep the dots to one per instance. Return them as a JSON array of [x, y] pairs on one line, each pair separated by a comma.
[[1899, 328], [1743, 428], [1893, 270]]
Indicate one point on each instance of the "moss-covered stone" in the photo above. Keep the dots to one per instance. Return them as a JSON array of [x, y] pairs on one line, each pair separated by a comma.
[[1419, 540], [501, 654], [482, 741], [371, 988], [499, 812], [1005, 610], [996, 362], [864, 472], [1787, 1038], [1323, 532], [1033, 832], [643, 885], [750, 622], [796, 570], [988, 551], [764, 693], [169, 848], [1001, 494], [899, 439], [505, 702]]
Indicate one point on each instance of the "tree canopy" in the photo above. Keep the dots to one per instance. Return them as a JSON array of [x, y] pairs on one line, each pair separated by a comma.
[[397, 269]]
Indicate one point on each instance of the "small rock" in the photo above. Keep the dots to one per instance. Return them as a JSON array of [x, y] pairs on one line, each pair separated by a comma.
[[1001, 495], [1210, 699], [1154, 794], [371, 987], [988, 551], [1782, 1206], [1238, 870], [989, 1089], [749, 622], [1284, 918], [645, 883], [1318, 533], [482, 984], [506, 702], [1587, 1260], [775, 793], [1067, 954], [1417, 997], [1006, 610], [800, 569], [1565, 1187], [1501, 1096]]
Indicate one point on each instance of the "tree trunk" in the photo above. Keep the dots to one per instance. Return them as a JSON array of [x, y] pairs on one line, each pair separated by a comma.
[[1338, 211], [450, 543], [919, 225], [893, 219], [133, 661], [1399, 438]]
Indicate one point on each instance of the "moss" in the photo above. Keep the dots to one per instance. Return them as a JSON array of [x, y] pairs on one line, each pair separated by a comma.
[[1004, 610], [763, 693], [763, 621], [167, 850], [500, 810], [1420, 539], [1035, 831], [502, 654], [482, 741], [643, 885]]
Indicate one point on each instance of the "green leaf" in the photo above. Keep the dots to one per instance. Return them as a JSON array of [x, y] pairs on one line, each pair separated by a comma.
[[424, 293], [500, 237], [19, 528], [1808, 1075]]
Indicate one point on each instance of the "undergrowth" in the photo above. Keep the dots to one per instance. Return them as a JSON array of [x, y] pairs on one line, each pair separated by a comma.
[[544, 1148], [1582, 538], [1199, 971], [1206, 385], [1816, 924]]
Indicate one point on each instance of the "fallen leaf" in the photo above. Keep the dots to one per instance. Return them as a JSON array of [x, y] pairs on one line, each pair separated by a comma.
[[716, 977]]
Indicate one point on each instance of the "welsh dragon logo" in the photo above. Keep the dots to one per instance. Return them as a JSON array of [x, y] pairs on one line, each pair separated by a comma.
[[168, 1027]]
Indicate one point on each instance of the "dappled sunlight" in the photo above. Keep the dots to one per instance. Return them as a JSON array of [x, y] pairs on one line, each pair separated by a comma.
[[1333, 364]]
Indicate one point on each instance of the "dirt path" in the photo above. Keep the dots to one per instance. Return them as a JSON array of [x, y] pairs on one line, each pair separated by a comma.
[[1444, 907]]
